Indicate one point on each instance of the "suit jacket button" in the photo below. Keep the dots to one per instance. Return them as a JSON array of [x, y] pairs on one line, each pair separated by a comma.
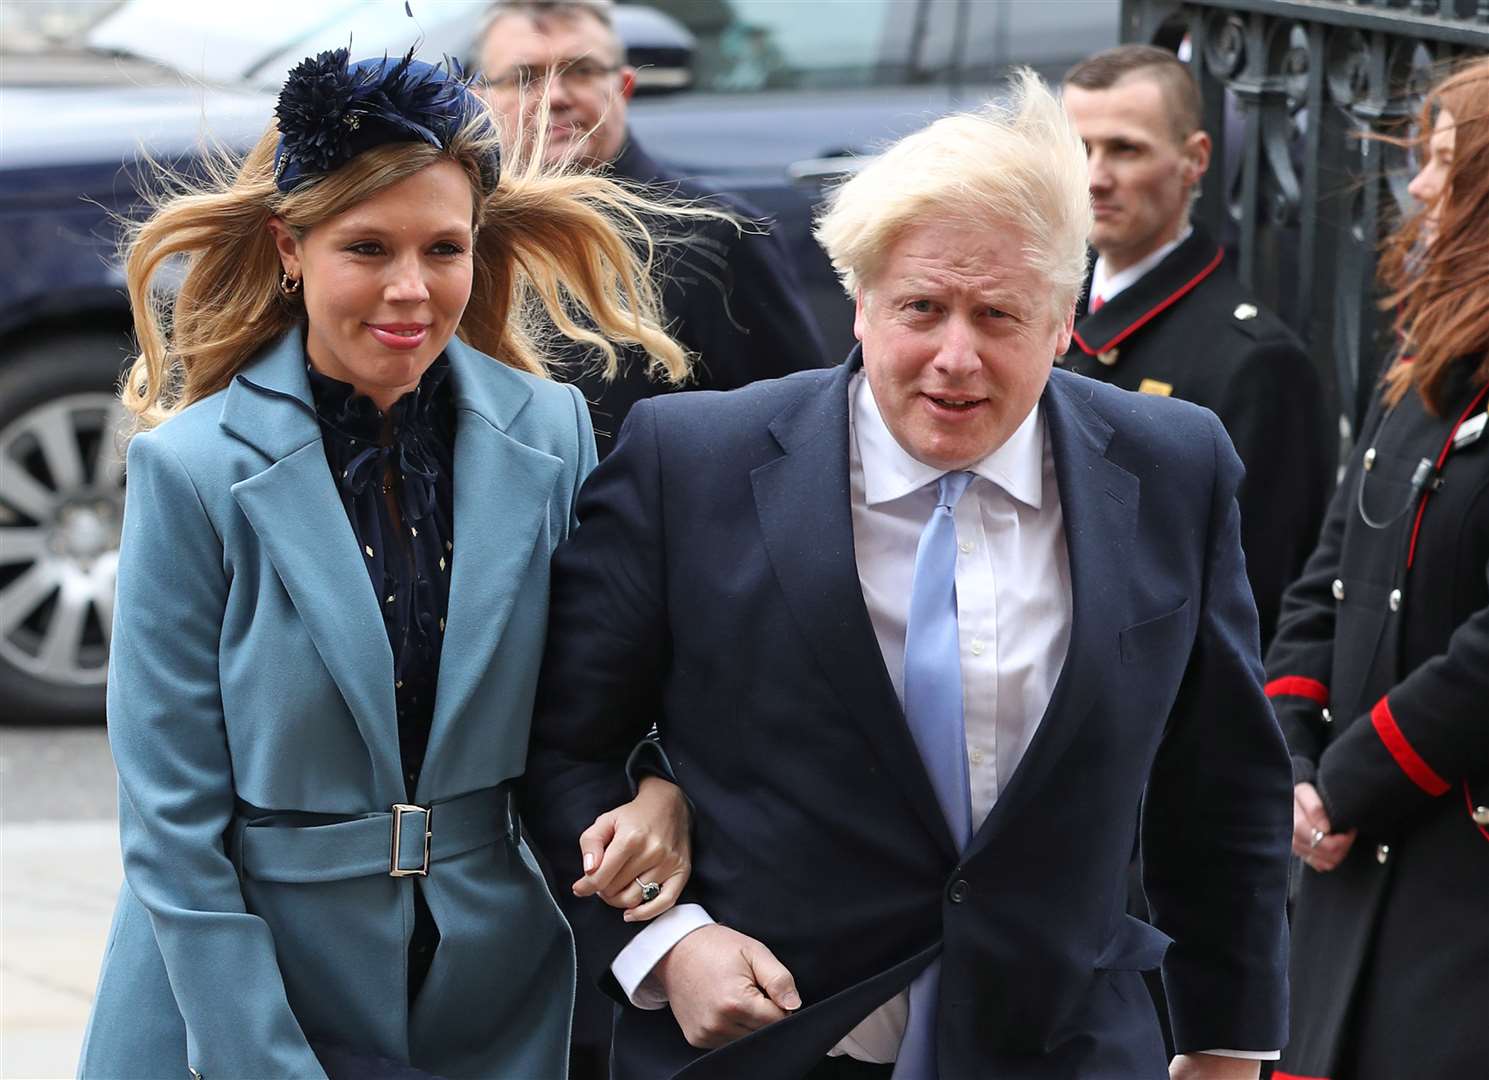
[[1338, 589], [1481, 815], [958, 891], [1382, 853], [1394, 600], [1328, 716]]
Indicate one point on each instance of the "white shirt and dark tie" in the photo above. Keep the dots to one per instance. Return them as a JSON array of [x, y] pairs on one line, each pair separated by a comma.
[[1013, 603]]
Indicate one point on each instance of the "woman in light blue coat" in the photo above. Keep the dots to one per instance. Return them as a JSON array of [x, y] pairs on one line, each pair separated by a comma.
[[333, 584]]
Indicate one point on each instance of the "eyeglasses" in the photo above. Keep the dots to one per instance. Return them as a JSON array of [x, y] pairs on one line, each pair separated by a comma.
[[575, 75]]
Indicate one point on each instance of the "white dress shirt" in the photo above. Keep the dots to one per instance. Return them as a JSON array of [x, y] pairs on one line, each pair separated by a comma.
[[1013, 616], [1107, 285]]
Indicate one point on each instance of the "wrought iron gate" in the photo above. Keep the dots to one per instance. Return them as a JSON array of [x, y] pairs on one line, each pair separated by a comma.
[[1291, 87]]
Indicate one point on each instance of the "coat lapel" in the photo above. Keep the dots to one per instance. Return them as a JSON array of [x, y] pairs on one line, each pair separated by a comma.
[[803, 502], [503, 494], [1099, 504], [297, 515]]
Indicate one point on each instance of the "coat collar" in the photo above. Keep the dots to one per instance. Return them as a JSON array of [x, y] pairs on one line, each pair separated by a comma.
[[634, 163], [1099, 505], [1124, 314], [818, 572], [502, 493]]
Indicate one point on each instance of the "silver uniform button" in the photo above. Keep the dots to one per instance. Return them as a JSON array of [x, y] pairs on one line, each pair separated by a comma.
[[1394, 601], [1382, 853], [1370, 459], [1245, 311], [1328, 716], [1338, 589], [1481, 815]]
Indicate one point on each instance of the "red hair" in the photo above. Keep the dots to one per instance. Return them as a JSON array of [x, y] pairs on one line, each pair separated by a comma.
[[1438, 290]]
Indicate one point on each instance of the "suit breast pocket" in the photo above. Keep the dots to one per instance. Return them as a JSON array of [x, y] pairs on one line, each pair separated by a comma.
[[1153, 637]]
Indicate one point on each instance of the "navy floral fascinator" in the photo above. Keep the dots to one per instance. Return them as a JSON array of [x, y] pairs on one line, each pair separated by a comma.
[[330, 111]]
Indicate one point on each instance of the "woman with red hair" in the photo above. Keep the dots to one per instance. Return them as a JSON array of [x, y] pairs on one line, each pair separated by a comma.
[[1380, 669]]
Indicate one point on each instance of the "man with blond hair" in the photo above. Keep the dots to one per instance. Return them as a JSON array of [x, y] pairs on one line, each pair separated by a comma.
[[918, 633], [734, 297]]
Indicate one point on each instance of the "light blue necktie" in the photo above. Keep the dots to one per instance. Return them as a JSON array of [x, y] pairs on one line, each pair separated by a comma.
[[933, 709]]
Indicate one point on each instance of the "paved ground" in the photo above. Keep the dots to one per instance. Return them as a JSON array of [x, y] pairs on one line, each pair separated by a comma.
[[59, 872]]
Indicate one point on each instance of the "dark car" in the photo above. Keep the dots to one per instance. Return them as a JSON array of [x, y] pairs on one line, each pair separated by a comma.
[[766, 99]]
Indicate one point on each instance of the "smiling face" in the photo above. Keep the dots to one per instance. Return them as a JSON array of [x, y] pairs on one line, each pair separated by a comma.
[[576, 61], [958, 339], [1430, 186], [386, 282], [1142, 169]]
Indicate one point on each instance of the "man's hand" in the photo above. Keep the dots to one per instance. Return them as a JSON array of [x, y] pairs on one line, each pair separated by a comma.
[[1313, 840], [722, 985], [1213, 1067]]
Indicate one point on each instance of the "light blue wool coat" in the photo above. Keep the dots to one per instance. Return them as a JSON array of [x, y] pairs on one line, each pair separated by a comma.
[[251, 678]]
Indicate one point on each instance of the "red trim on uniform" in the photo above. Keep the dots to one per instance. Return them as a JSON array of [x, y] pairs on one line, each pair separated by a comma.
[[1468, 799], [1298, 686], [1411, 552], [1162, 305], [1278, 1074], [1416, 770]]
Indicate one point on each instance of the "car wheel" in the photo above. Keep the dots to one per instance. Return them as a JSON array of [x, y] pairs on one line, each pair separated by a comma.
[[61, 509]]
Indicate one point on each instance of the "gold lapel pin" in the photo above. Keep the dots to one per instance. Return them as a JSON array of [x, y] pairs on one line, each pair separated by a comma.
[[1108, 358]]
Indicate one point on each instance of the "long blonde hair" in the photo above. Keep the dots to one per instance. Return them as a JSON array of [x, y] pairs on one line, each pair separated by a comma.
[[556, 249]]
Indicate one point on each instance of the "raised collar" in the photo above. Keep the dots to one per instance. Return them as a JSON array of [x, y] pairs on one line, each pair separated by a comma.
[[889, 472], [1183, 268], [1109, 285], [269, 404]]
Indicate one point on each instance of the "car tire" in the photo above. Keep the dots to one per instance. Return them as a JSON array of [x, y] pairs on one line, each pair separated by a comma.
[[61, 509]]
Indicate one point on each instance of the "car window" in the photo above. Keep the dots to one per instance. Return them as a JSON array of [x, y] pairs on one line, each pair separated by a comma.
[[748, 45]]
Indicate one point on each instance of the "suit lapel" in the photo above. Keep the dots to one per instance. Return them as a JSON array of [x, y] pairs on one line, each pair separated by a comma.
[[803, 502], [503, 492], [1099, 504], [298, 518]]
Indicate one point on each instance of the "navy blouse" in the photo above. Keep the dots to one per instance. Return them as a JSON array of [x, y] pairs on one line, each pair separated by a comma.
[[395, 472]]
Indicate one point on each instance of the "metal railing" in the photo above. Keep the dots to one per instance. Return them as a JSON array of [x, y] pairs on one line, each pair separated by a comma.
[[1292, 91]]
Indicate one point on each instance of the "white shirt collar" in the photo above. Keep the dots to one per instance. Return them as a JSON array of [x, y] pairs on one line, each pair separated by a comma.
[[890, 473], [1107, 285]]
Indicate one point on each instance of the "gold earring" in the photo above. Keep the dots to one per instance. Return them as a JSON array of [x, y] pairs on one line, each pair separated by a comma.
[[288, 285]]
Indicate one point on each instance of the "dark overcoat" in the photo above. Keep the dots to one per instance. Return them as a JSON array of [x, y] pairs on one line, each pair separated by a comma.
[[712, 588], [1380, 678], [1188, 329], [732, 298]]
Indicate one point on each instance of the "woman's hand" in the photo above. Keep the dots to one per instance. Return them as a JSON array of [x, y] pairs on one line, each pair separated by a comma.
[[1313, 841], [646, 840]]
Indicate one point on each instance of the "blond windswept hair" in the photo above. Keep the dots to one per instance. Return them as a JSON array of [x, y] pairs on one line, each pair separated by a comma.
[[556, 249], [1016, 162]]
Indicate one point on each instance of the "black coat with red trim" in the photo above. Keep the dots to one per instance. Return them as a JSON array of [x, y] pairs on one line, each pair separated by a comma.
[[1379, 675], [1189, 329]]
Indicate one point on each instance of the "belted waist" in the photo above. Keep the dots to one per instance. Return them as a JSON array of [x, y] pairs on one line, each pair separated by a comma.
[[404, 840]]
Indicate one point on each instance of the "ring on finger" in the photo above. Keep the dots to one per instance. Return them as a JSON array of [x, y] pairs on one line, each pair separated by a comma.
[[650, 890], [1317, 838]]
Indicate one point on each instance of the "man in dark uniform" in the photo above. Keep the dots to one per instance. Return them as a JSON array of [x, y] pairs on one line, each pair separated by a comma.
[[734, 297], [1162, 315]]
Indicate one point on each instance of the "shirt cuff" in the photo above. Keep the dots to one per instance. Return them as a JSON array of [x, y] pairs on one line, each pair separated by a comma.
[[633, 965], [1249, 1055]]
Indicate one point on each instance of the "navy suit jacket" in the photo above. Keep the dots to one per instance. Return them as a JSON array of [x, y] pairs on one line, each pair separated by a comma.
[[711, 588]]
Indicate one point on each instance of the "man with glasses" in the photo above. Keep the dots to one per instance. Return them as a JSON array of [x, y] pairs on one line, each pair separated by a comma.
[[735, 298]]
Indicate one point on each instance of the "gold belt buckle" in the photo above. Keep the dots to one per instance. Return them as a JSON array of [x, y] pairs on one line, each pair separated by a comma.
[[399, 809]]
